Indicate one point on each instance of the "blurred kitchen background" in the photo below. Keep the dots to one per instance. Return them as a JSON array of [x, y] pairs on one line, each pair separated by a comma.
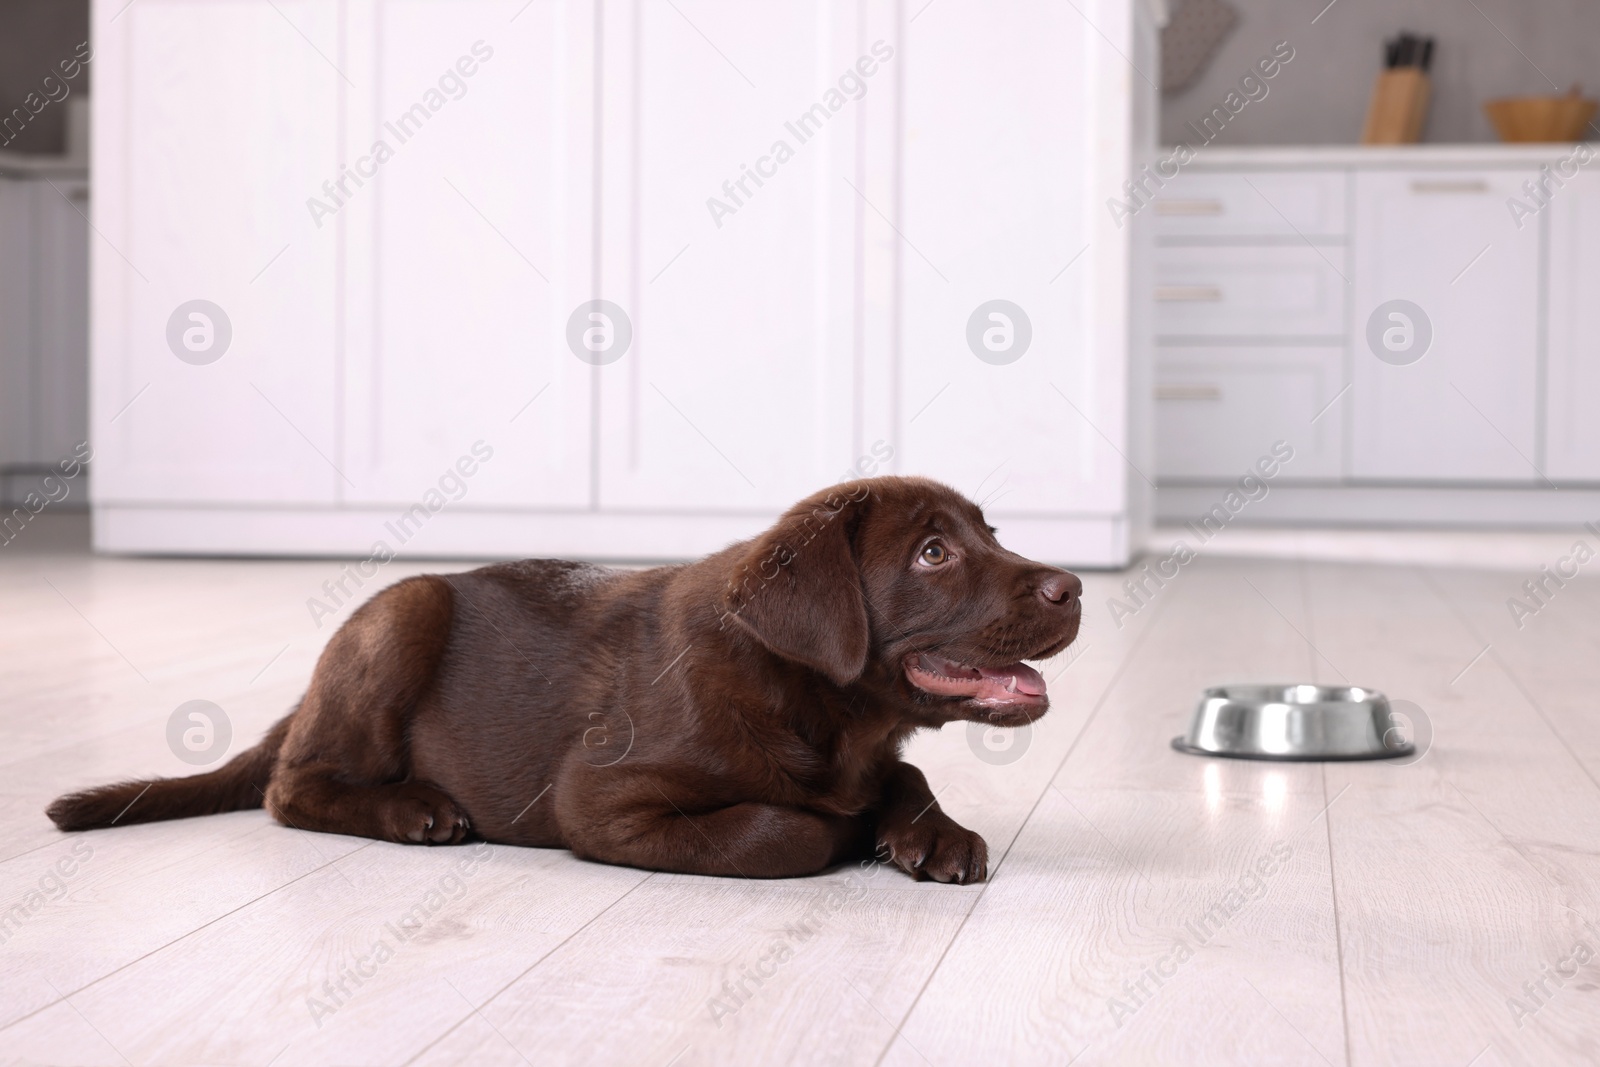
[[44, 246], [1178, 293]]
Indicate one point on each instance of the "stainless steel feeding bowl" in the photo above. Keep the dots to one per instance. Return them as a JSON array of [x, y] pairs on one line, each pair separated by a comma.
[[1294, 722]]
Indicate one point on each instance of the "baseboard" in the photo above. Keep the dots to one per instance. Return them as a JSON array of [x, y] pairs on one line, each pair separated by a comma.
[[1089, 542], [1406, 505]]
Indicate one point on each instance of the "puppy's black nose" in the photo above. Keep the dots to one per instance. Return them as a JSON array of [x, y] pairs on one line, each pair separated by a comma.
[[1061, 589]]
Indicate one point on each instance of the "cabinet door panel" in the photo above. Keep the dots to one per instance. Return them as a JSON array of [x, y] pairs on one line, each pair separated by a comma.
[[1252, 204], [1293, 291], [1465, 410], [738, 390], [1573, 436], [230, 120], [465, 245], [1219, 411], [1034, 434]]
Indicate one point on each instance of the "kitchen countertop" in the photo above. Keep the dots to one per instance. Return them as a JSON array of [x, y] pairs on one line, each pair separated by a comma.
[[1424, 155]]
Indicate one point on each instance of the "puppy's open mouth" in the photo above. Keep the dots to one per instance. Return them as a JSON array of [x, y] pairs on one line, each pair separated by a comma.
[[1015, 685]]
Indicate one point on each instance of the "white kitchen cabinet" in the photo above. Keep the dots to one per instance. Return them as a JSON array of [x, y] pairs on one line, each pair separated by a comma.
[[1466, 410], [740, 390], [1250, 294], [468, 248], [224, 123], [1572, 441], [993, 211], [388, 314], [1489, 425]]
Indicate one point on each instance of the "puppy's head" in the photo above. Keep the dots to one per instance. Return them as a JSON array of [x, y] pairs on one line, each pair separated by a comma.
[[898, 585]]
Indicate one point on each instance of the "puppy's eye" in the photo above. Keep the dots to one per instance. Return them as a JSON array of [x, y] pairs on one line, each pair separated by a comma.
[[934, 554]]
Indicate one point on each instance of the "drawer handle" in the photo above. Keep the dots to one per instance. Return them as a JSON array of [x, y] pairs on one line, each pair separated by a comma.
[[1187, 293], [1473, 185], [1188, 392], [1188, 207]]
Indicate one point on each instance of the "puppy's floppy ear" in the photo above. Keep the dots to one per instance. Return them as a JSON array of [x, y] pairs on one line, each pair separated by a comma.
[[798, 588]]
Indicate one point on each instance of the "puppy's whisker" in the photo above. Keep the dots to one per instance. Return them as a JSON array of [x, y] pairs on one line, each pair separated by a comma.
[[999, 493]]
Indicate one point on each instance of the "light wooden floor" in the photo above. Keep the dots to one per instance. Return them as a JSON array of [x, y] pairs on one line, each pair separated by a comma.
[[1405, 907]]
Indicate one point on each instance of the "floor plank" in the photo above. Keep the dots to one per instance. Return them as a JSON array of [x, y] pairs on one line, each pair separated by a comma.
[[1464, 874], [1125, 916], [302, 968]]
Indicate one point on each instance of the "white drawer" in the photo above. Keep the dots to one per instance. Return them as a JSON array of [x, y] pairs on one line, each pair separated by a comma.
[[1287, 291], [1216, 415], [1249, 204]]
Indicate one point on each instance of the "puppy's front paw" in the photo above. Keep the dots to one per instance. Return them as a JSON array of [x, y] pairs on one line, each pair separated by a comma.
[[935, 846]]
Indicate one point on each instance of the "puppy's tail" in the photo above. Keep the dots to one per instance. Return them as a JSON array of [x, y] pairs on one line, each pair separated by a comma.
[[236, 785]]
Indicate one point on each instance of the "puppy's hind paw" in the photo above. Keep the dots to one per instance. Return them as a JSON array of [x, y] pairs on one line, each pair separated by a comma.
[[421, 814]]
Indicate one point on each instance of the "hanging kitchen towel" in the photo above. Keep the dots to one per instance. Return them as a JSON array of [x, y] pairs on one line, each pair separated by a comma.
[[1191, 38]]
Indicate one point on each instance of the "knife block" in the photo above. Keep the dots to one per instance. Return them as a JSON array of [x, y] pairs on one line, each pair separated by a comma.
[[1399, 107]]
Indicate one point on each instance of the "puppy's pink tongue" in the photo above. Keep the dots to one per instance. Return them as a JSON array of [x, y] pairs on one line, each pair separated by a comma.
[[1015, 678]]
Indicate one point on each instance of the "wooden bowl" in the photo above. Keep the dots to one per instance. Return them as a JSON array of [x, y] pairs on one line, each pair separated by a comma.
[[1528, 119]]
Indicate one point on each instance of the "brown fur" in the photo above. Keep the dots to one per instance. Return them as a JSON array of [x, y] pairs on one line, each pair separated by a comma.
[[742, 715]]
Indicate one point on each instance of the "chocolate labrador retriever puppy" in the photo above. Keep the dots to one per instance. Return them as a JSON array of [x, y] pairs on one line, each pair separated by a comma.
[[741, 716]]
